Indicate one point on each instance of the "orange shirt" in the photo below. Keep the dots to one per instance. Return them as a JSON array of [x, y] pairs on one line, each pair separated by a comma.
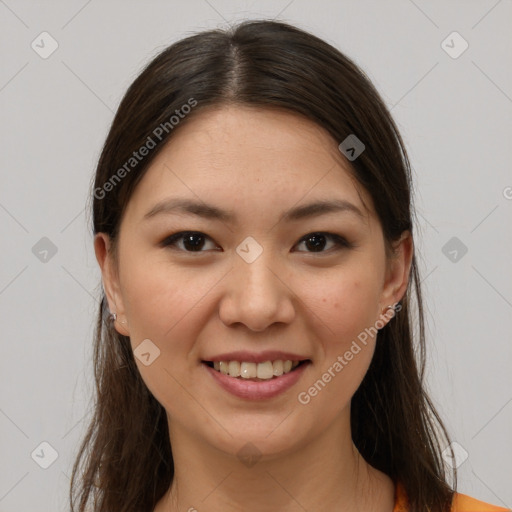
[[461, 503]]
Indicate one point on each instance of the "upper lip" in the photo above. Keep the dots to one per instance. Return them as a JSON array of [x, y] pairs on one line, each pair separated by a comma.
[[256, 357]]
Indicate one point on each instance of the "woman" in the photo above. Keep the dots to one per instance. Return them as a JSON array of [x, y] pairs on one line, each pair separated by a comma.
[[254, 347]]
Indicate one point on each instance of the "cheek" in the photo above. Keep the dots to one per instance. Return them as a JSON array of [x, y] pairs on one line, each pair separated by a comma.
[[169, 308], [160, 299], [346, 302], [346, 305]]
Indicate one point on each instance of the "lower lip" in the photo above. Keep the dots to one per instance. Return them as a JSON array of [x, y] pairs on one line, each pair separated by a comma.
[[257, 390]]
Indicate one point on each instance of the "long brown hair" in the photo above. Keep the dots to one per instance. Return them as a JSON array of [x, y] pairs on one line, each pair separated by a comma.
[[125, 461]]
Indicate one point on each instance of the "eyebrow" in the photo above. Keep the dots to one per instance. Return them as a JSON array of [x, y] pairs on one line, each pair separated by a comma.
[[208, 211]]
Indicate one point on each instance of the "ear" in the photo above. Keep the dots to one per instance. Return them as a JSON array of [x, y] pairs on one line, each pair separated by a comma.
[[110, 278], [397, 272]]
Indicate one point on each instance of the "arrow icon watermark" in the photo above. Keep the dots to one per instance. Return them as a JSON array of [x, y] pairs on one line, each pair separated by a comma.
[[352, 147], [249, 249], [146, 352]]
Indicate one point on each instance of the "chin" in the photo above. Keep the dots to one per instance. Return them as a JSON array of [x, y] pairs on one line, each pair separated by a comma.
[[261, 438]]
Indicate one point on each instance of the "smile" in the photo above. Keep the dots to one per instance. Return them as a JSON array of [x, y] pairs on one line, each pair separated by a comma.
[[256, 381], [248, 370]]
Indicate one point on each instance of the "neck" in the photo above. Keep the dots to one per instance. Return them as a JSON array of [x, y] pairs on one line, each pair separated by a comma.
[[325, 474]]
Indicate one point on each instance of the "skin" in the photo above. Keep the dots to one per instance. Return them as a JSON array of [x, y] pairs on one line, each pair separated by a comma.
[[257, 164]]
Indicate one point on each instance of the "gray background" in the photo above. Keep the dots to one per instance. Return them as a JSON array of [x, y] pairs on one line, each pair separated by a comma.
[[455, 116]]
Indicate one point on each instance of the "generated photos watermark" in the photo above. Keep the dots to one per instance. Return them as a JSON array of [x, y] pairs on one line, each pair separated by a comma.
[[305, 397], [156, 136]]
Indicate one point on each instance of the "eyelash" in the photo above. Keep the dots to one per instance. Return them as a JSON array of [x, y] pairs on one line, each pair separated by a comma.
[[339, 241]]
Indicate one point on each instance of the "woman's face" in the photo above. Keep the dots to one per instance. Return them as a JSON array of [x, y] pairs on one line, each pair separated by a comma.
[[286, 261]]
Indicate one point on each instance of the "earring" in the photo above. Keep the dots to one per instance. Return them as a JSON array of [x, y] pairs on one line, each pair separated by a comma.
[[390, 311], [387, 308], [113, 317]]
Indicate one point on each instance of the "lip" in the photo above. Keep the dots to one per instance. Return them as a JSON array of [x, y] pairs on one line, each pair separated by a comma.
[[256, 357], [256, 390]]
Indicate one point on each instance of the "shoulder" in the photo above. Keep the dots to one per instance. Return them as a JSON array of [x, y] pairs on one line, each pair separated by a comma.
[[463, 503], [460, 503]]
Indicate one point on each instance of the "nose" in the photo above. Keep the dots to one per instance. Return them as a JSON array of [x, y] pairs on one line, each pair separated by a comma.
[[256, 296]]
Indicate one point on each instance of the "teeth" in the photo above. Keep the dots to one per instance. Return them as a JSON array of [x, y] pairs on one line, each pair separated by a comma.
[[234, 368], [224, 368], [277, 366], [264, 371], [248, 370]]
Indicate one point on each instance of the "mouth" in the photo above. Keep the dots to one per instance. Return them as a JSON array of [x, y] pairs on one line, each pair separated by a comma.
[[250, 380], [256, 372]]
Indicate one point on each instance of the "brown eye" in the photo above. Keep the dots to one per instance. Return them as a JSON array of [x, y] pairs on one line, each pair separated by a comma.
[[193, 242], [188, 241], [317, 242]]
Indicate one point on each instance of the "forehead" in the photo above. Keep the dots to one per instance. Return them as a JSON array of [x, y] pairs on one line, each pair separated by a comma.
[[250, 157], [255, 135]]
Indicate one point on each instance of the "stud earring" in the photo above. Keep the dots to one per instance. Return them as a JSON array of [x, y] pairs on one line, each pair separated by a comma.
[[387, 308]]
